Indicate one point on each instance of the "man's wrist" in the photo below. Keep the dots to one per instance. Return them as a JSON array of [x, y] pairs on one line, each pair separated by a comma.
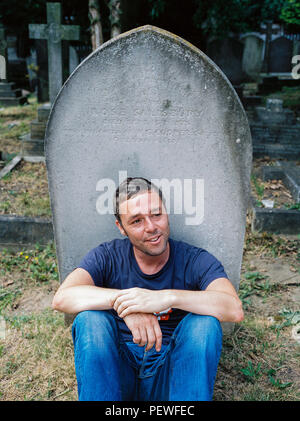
[[169, 297]]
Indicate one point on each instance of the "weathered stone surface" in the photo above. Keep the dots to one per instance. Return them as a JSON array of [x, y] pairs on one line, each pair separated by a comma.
[[9, 96], [150, 104], [25, 230], [43, 112], [37, 129], [7, 86], [32, 147], [278, 221], [10, 101]]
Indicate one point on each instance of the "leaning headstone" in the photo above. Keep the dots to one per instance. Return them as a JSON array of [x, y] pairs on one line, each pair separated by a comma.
[[150, 104]]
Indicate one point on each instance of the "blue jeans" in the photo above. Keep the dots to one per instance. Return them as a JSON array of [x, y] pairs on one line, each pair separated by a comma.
[[109, 369]]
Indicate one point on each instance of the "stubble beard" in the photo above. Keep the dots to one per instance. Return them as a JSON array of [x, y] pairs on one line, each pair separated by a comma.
[[145, 250]]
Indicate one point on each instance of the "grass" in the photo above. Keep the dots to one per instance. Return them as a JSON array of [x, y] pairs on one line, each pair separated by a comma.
[[15, 122], [24, 191], [36, 354], [260, 360]]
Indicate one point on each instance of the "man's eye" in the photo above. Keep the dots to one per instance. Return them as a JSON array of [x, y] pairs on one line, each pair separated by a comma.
[[136, 221]]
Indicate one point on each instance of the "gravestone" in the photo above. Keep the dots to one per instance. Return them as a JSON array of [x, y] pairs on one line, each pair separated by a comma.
[[252, 54], [268, 29], [275, 131], [9, 94], [33, 142], [147, 103], [227, 53], [77, 53], [280, 55]]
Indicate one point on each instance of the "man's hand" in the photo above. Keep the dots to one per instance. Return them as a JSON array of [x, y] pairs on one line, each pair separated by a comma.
[[145, 329], [140, 300]]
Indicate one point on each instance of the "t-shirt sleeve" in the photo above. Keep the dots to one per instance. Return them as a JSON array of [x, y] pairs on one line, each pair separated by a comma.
[[95, 262], [206, 269]]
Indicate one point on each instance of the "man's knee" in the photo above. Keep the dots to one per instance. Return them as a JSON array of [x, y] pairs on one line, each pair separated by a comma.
[[94, 325], [200, 330]]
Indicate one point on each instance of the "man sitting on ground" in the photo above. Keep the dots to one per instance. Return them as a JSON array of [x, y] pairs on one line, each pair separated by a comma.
[[149, 309]]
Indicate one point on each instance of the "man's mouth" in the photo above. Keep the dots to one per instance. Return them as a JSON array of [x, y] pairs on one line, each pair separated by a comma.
[[154, 239]]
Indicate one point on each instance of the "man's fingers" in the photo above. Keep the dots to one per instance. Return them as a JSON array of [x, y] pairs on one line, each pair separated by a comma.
[[136, 336], [143, 333], [158, 335], [151, 338], [130, 310], [119, 297], [122, 306]]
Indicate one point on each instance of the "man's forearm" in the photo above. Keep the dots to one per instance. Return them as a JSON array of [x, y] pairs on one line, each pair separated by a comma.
[[223, 306], [84, 297]]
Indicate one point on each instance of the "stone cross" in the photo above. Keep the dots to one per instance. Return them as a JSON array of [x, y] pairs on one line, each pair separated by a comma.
[[160, 109], [54, 33]]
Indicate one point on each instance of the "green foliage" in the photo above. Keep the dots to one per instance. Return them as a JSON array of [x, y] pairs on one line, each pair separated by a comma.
[[259, 187], [221, 17], [252, 372], [295, 206], [39, 264], [286, 318], [290, 13], [157, 8], [275, 382]]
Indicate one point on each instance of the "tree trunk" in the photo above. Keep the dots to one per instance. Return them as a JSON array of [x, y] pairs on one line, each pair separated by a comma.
[[96, 25], [115, 17]]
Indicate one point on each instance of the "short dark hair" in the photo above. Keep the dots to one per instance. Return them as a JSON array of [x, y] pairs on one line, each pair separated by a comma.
[[129, 188]]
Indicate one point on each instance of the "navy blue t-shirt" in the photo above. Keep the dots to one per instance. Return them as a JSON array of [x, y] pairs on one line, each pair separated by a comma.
[[113, 265]]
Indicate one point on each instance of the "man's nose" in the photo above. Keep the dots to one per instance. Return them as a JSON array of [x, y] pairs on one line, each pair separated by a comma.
[[149, 225]]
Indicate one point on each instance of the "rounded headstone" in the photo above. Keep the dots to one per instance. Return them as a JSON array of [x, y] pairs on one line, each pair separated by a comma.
[[147, 103]]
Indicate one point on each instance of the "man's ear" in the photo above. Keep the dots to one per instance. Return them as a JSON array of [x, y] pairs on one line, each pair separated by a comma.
[[119, 225]]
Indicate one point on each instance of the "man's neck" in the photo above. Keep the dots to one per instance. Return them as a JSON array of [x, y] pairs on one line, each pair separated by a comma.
[[151, 264]]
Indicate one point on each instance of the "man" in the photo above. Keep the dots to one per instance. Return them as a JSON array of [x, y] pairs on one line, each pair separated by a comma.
[[149, 309]]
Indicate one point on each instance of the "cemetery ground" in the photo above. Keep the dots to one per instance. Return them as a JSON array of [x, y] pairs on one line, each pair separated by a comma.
[[260, 359]]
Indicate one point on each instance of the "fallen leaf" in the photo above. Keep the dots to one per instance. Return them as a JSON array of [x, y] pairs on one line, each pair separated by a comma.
[[8, 282]]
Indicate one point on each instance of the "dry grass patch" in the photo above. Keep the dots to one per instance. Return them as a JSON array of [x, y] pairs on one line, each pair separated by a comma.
[[15, 122], [24, 191], [37, 359]]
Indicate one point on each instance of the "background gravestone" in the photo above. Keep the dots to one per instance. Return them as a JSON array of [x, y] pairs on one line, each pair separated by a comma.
[[227, 53], [153, 105], [280, 55], [252, 54]]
